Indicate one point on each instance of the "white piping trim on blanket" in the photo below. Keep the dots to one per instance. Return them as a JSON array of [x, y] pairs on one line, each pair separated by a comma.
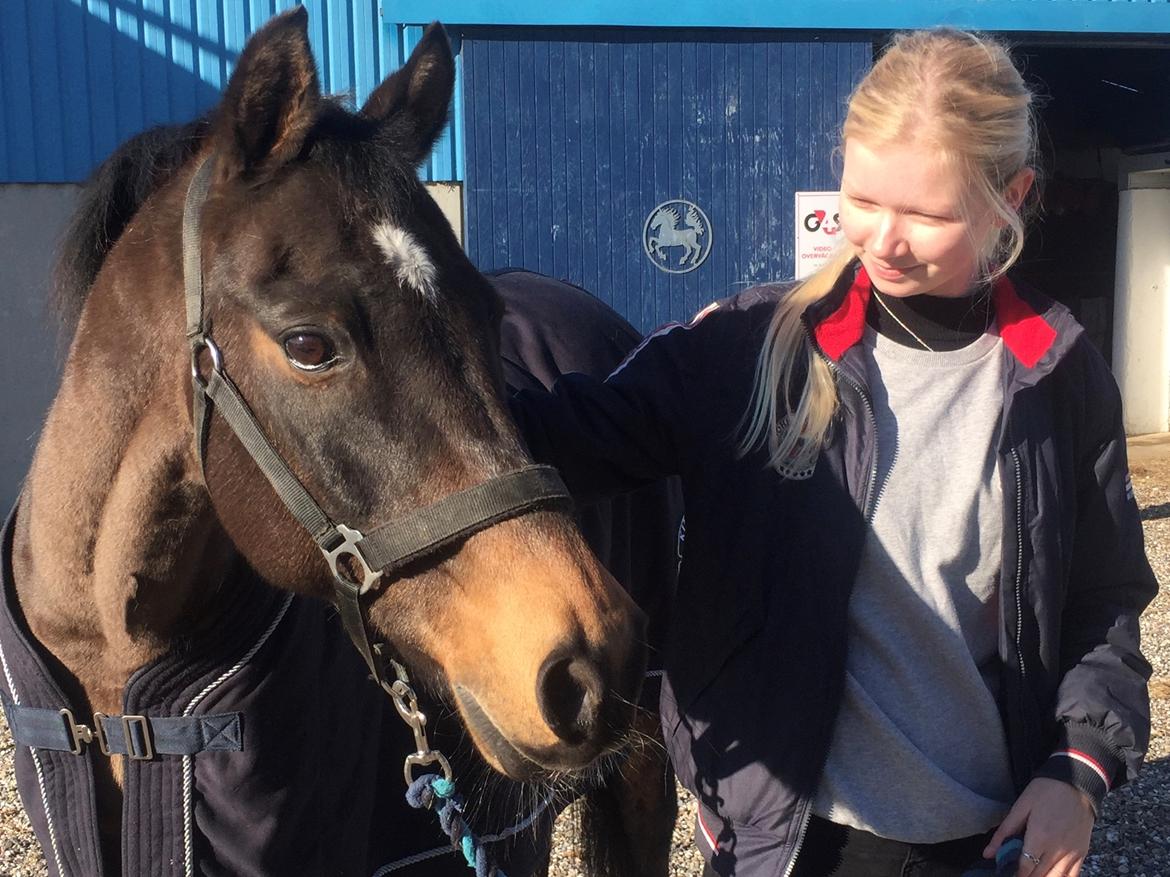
[[188, 762], [40, 771], [399, 864]]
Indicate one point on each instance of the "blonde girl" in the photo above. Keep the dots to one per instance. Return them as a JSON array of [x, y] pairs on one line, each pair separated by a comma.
[[906, 628]]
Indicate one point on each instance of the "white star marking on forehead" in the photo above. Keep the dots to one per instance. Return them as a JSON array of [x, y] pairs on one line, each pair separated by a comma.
[[412, 266]]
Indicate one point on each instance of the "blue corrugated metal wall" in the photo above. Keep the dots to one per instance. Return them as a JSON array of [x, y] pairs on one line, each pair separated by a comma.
[[574, 136], [77, 77], [1049, 16]]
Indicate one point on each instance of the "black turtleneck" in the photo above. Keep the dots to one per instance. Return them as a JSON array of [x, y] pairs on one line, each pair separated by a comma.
[[943, 323]]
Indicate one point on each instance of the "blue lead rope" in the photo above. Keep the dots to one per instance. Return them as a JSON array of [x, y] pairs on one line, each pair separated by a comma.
[[433, 792]]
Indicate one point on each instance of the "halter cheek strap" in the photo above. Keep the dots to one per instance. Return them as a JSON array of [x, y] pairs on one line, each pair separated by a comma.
[[358, 562]]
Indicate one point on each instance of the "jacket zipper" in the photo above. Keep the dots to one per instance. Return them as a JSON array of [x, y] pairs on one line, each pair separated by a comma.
[[869, 505], [1019, 564], [881, 491], [805, 820], [1016, 756]]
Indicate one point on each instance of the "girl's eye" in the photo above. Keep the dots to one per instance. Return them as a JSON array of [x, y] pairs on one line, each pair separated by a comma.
[[309, 352]]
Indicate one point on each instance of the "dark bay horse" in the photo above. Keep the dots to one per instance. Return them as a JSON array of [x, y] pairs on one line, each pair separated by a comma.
[[148, 567]]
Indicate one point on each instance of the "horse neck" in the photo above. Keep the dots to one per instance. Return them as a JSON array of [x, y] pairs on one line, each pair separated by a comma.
[[117, 546]]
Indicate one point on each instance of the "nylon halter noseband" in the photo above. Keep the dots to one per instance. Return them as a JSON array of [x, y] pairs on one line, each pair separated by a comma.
[[386, 549]]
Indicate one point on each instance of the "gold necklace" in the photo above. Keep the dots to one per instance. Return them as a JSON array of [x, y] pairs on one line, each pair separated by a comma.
[[909, 331]]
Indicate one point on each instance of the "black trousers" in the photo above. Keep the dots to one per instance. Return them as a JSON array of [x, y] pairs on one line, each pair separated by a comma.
[[831, 850]]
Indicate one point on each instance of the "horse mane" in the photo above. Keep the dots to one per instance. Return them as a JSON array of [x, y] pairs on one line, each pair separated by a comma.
[[111, 197]]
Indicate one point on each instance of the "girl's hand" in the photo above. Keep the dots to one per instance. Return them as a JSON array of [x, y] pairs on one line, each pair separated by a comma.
[[1056, 820]]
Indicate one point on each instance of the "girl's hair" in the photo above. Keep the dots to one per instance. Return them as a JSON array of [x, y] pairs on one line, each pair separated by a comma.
[[958, 94]]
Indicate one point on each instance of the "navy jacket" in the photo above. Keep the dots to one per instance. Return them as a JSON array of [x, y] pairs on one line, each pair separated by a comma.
[[756, 653]]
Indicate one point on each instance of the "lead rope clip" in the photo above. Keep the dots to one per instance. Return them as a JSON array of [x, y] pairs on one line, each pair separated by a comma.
[[432, 791]]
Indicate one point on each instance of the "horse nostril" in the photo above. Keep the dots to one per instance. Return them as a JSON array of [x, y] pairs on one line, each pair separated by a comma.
[[570, 692]]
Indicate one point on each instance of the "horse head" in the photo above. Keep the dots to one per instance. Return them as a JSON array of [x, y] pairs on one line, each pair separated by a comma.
[[365, 344]]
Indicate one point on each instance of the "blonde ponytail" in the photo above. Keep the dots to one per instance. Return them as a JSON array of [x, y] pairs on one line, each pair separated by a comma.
[[793, 433]]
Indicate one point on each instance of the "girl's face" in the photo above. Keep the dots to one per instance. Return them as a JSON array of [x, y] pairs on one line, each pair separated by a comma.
[[912, 220]]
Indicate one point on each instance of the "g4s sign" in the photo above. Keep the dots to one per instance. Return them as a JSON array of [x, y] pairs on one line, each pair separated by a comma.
[[818, 230], [819, 220]]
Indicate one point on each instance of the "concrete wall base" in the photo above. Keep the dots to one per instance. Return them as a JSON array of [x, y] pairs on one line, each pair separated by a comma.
[[32, 218]]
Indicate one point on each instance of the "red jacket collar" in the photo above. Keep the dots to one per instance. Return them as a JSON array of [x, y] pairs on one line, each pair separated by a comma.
[[1025, 333], [843, 328]]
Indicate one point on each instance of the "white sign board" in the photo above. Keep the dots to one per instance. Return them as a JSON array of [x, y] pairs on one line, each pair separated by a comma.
[[818, 230]]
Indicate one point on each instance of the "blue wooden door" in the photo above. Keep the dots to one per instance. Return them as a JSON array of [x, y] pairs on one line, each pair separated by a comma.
[[605, 156]]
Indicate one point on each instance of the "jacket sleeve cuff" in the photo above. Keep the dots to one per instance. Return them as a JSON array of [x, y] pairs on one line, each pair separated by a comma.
[[1082, 760]]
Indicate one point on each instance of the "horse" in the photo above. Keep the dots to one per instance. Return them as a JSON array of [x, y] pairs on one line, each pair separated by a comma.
[[274, 331]]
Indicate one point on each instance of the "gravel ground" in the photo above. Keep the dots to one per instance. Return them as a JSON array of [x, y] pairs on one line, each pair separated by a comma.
[[1132, 836]]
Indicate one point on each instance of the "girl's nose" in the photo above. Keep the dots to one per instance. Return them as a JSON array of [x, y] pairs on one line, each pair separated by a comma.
[[887, 241]]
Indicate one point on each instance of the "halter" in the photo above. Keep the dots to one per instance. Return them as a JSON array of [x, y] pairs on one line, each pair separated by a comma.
[[358, 562]]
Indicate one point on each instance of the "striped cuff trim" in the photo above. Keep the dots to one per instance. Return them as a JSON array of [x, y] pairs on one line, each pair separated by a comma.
[[706, 833], [1088, 760]]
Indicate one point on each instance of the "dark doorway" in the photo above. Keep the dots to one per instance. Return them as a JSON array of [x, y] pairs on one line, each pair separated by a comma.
[[1098, 103]]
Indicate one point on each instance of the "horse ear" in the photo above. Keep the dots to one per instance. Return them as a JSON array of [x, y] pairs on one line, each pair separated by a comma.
[[413, 101], [271, 99]]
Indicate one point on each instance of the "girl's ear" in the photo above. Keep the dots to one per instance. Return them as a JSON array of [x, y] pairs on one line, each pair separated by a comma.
[[1018, 187]]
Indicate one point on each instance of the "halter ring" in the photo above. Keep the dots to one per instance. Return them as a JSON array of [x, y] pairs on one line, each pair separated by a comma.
[[204, 342]]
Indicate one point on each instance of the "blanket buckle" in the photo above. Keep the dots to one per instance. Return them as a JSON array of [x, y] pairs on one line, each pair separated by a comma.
[[143, 725], [79, 734], [99, 733]]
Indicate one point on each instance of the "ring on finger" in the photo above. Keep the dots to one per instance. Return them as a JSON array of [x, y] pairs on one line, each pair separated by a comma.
[[1035, 860]]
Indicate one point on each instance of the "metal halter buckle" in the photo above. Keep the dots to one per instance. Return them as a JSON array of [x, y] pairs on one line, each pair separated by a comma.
[[350, 548]]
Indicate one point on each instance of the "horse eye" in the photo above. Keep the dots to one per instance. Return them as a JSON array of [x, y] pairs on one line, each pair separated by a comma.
[[309, 352]]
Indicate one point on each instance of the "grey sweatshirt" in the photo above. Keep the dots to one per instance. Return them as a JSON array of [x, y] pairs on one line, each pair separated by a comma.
[[919, 753]]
